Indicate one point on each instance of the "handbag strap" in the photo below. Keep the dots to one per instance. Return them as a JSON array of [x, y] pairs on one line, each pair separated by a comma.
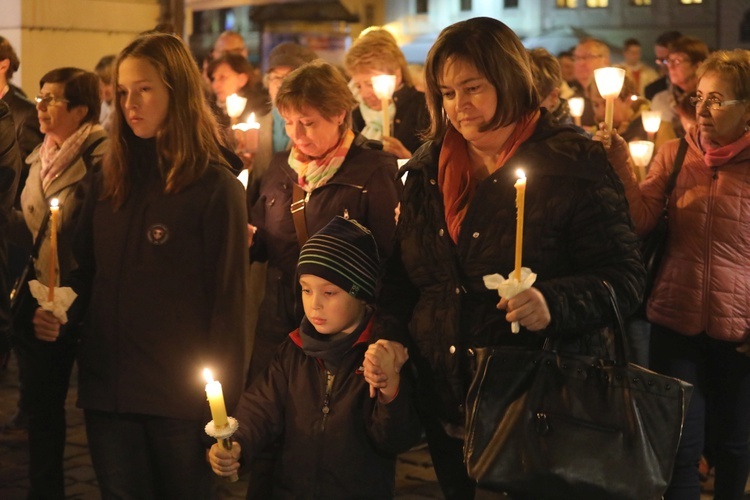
[[621, 356], [298, 213], [676, 166], [39, 238]]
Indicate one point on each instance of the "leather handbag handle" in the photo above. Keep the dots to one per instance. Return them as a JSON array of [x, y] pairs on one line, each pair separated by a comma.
[[621, 356]]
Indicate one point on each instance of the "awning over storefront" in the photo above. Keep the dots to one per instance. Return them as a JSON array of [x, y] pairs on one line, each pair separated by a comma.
[[309, 10]]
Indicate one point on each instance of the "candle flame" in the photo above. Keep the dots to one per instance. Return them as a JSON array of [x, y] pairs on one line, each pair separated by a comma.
[[235, 105], [576, 105], [520, 174], [384, 86], [54, 203], [207, 375]]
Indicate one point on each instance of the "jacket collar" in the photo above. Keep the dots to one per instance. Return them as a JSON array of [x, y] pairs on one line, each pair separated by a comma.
[[364, 337]]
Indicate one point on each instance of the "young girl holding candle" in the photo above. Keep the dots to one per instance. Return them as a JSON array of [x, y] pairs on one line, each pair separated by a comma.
[[162, 247], [457, 224], [338, 442]]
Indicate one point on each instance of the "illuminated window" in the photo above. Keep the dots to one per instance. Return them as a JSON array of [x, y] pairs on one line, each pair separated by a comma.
[[567, 4], [691, 2], [640, 3], [597, 4]]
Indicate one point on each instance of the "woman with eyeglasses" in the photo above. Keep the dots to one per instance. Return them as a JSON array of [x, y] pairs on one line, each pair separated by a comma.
[[685, 56], [68, 109], [699, 303]]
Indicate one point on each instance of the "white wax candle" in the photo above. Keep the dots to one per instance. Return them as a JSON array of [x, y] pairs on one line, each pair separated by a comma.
[[54, 210], [520, 186], [215, 400]]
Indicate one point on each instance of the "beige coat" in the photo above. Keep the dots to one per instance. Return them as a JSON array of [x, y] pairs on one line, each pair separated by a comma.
[[35, 204]]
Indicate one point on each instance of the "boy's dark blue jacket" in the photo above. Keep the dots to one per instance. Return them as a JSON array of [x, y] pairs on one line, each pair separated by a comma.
[[347, 451]]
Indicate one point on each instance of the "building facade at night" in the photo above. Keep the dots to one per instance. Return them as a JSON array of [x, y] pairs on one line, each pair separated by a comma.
[[51, 33]]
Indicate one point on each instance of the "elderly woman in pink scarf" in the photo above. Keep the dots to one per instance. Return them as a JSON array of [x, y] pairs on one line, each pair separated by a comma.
[[68, 108], [700, 303]]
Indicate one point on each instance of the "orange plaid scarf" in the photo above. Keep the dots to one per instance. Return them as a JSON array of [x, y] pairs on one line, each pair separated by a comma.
[[454, 169]]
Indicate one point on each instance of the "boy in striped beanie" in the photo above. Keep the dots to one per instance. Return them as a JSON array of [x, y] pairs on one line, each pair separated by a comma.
[[338, 442]]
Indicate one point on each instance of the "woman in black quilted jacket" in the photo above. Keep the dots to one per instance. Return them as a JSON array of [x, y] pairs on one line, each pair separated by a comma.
[[457, 224]]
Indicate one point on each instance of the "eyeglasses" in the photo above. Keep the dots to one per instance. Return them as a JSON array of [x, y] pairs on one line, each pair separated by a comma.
[[671, 63], [48, 99], [714, 104], [587, 57]]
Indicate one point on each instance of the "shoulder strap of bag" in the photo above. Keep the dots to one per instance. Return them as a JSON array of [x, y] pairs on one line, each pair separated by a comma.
[[678, 159], [39, 238], [618, 330], [86, 155], [298, 213], [23, 277]]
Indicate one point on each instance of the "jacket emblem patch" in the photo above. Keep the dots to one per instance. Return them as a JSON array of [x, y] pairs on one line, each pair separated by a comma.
[[158, 234]]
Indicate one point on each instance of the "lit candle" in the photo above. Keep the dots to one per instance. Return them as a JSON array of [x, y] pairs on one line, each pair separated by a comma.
[[609, 82], [247, 134], [54, 209], [651, 123], [215, 400], [235, 106], [383, 86], [641, 152], [576, 109], [520, 186]]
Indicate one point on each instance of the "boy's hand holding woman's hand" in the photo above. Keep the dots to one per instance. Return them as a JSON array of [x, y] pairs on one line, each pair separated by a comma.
[[383, 362]]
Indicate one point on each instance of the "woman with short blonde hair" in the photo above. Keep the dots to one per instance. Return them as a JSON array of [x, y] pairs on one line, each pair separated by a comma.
[[375, 53]]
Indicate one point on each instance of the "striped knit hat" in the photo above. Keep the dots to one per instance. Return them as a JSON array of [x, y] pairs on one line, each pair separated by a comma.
[[344, 253]]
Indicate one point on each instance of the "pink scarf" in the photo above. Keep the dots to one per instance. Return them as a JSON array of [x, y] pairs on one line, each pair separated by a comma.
[[314, 172], [718, 156], [56, 159]]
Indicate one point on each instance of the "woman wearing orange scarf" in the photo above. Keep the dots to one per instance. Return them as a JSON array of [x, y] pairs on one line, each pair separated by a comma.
[[457, 223]]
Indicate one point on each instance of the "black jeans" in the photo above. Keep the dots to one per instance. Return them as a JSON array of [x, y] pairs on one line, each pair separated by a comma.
[[45, 369], [721, 379], [145, 457]]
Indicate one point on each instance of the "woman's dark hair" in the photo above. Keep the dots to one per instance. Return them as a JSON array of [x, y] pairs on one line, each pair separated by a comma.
[[7, 52], [498, 54], [238, 64], [81, 88], [695, 48]]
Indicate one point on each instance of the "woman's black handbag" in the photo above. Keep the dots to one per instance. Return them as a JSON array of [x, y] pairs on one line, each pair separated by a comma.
[[543, 424], [653, 244], [22, 303]]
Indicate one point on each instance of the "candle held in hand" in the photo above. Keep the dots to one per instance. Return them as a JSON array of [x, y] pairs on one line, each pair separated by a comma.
[[520, 186], [215, 400], [609, 83], [384, 86], [247, 135], [54, 210]]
